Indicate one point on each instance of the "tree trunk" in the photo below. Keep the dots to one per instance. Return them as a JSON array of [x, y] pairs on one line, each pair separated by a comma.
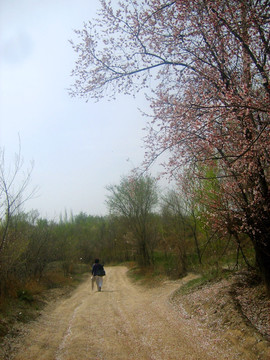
[[144, 258], [262, 251], [194, 231]]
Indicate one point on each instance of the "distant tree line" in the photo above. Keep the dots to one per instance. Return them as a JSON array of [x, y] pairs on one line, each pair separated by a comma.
[[166, 233]]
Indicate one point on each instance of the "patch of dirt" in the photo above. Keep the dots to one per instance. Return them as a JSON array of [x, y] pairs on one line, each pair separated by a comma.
[[251, 299], [237, 310]]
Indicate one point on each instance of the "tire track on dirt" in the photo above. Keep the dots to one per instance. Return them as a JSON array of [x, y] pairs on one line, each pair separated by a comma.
[[124, 321]]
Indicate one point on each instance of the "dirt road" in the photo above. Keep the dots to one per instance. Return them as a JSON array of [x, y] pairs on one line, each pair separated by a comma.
[[123, 322]]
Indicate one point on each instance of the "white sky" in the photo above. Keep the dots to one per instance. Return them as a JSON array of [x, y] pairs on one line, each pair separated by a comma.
[[78, 148]]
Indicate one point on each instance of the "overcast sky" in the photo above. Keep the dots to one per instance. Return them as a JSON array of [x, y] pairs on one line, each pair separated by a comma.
[[78, 148]]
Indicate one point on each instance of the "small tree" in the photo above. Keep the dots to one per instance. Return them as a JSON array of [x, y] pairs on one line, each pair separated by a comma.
[[134, 199], [175, 226], [14, 184]]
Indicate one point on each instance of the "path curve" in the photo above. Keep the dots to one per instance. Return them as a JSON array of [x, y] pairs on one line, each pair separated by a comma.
[[124, 321]]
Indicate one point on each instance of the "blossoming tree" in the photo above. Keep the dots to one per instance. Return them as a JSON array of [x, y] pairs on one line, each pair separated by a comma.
[[206, 65]]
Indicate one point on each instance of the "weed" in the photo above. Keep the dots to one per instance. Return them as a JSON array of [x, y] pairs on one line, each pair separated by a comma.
[[25, 295], [194, 284]]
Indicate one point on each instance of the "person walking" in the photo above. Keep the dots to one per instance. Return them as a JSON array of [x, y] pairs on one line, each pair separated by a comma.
[[97, 274]]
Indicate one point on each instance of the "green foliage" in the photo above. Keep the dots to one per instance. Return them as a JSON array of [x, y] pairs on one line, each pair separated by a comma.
[[195, 284], [25, 295], [166, 264], [134, 200]]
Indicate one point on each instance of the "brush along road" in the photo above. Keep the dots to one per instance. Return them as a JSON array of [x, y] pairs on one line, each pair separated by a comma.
[[124, 321]]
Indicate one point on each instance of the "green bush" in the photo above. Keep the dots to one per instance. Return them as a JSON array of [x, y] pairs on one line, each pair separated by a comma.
[[25, 295]]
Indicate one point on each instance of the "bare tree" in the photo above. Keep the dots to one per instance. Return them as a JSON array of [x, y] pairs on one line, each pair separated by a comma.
[[14, 192]]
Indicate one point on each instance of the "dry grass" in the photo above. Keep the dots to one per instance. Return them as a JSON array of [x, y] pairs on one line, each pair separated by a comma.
[[25, 300], [234, 308]]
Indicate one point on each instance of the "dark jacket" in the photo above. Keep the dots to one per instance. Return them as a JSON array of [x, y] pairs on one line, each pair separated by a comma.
[[95, 268]]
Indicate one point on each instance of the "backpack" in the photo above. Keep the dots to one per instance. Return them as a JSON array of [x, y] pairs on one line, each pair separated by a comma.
[[100, 271]]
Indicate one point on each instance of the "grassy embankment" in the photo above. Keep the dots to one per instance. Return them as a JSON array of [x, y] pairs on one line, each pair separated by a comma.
[[25, 301]]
